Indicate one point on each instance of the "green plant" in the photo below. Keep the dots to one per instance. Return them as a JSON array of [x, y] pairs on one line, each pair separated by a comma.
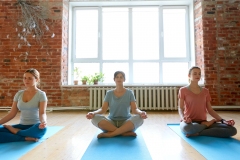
[[77, 73], [98, 77], [85, 78]]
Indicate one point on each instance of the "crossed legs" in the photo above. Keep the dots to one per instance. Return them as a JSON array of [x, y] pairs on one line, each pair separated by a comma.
[[208, 128], [124, 130], [111, 129], [16, 130]]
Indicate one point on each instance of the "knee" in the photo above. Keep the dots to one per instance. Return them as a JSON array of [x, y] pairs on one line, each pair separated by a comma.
[[137, 121], [187, 128], [233, 131], [96, 119]]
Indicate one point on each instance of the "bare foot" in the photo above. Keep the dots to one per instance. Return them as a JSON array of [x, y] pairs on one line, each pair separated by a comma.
[[104, 135], [192, 135], [109, 135], [31, 139], [129, 134], [208, 123], [11, 129]]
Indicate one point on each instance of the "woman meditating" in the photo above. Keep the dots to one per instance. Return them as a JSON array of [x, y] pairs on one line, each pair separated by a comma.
[[194, 103], [119, 101], [32, 103]]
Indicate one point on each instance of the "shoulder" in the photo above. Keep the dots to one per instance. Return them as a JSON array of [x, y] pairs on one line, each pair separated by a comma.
[[42, 93], [20, 92], [205, 90], [185, 88], [129, 90], [109, 92]]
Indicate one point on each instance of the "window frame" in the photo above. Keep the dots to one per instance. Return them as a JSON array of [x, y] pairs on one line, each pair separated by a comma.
[[190, 52]]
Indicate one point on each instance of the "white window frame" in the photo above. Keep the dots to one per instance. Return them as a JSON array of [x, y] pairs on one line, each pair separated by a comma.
[[190, 58]]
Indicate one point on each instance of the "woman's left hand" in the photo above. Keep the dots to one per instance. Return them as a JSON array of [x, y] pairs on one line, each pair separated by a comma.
[[42, 125], [230, 122], [143, 115]]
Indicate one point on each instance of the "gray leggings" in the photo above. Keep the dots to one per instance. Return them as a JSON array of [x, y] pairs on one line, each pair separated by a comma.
[[135, 119], [215, 130]]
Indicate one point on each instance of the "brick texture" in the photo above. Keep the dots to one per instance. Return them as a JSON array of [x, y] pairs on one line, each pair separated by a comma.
[[217, 28], [217, 45]]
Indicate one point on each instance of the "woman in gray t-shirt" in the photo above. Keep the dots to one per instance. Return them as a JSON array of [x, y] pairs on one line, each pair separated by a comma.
[[32, 103], [120, 101]]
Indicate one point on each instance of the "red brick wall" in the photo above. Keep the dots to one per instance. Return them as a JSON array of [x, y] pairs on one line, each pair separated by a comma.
[[218, 48], [217, 27], [46, 60]]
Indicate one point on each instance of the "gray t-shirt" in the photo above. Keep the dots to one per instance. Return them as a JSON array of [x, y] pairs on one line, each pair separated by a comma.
[[29, 110], [119, 107]]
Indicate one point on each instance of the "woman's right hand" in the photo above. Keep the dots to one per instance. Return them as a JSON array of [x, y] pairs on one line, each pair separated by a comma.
[[187, 120], [90, 115]]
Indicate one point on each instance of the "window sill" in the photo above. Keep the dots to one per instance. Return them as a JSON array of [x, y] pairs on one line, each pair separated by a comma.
[[127, 85]]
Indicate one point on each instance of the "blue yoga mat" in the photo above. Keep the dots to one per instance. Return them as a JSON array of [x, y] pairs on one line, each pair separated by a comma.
[[212, 148], [117, 148], [15, 150]]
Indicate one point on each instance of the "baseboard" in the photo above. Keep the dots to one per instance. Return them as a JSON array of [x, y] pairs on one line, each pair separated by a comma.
[[226, 107], [50, 109], [67, 108]]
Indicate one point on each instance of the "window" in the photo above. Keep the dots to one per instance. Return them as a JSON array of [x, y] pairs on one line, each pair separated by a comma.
[[151, 44]]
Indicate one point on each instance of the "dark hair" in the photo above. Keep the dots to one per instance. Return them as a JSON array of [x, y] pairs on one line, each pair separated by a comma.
[[190, 70], [121, 72], [193, 67], [35, 73]]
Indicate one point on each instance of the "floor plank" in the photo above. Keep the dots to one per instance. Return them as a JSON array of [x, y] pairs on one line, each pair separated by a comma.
[[71, 142]]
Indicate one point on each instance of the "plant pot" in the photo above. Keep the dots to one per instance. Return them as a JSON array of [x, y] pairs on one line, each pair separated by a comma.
[[95, 82], [84, 82], [75, 82]]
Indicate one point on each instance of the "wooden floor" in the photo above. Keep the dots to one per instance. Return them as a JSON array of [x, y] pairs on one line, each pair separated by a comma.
[[71, 142]]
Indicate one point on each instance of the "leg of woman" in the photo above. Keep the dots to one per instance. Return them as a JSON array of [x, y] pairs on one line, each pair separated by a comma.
[[137, 121], [103, 123], [219, 130], [33, 131], [191, 129], [126, 129], [29, 132], [7, 136]]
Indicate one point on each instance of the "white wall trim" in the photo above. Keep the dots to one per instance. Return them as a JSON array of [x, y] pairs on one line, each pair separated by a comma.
[[226, 107], [50, 109]]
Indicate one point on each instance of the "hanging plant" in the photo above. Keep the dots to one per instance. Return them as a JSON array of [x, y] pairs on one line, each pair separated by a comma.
[[31, 23]]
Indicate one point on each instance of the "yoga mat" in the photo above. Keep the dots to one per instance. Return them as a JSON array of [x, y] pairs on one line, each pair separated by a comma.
[[117, 148], [15, 150], [212, 148]]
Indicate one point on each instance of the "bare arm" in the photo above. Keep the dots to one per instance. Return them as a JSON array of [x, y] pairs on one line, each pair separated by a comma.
[[212, 112], [135, 110], [181, 108], [13, 112], [42, 114], [101, 110]]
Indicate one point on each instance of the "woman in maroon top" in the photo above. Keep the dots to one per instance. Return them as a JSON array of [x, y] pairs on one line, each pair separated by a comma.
[[194, 104]]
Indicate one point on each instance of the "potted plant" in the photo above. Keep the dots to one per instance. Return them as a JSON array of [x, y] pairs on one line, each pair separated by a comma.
[[84, 80], [97, 77], [76, 75]]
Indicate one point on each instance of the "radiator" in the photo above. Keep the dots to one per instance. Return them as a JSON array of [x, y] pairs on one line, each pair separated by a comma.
[[147, 98]]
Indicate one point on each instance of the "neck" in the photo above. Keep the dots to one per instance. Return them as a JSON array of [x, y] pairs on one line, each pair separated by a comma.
[[32, 89], [194, 84], [119, 88]]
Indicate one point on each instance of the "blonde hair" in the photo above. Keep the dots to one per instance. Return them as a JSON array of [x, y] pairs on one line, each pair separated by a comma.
[[35, 73]]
